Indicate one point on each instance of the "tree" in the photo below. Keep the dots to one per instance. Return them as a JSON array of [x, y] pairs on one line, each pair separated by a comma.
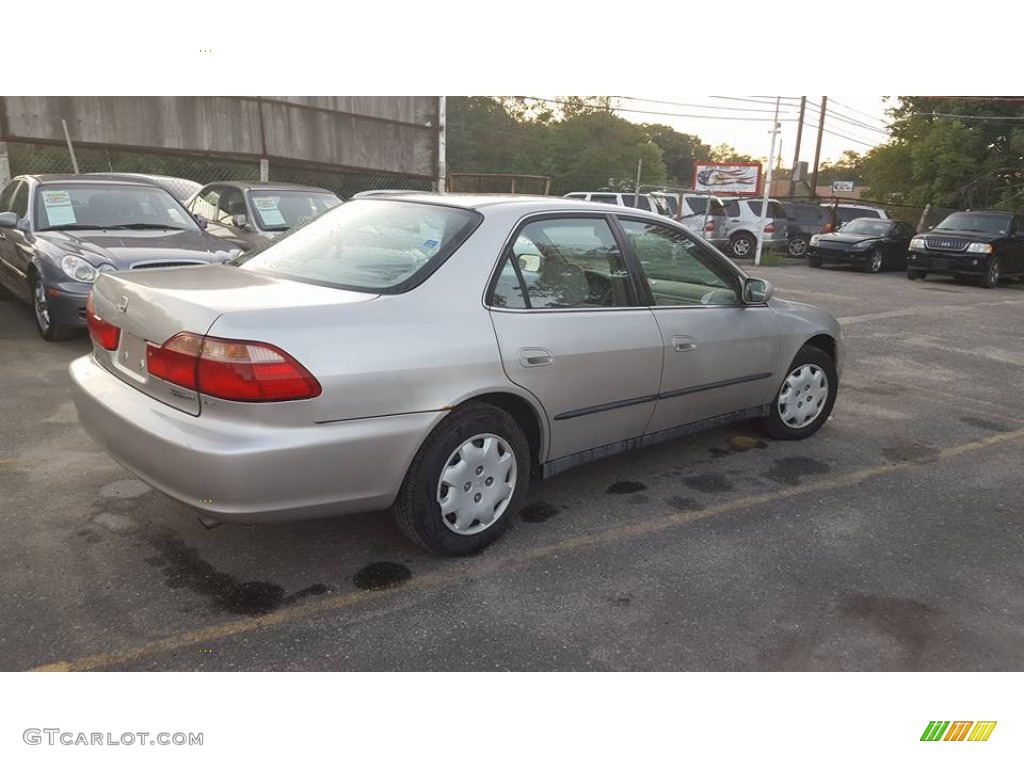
[[679, 153], [724, 153], [952, 152]]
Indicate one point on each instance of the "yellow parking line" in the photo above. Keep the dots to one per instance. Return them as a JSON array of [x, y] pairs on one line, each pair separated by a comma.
[[451, 574]]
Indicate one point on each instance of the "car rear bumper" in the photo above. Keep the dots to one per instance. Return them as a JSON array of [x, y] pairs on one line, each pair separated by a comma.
[[949, 263], [231, 470]]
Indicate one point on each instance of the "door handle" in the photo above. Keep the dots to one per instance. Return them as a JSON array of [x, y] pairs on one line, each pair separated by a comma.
[[683, 343], [535, 357]]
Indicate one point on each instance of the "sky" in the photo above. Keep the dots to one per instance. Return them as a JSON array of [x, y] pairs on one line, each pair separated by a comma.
[[854, 123]]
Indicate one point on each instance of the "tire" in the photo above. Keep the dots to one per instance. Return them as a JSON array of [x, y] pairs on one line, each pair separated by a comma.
[[810, 381], [742, 246], [875, 262], [797, 246], [916, 274], [991, 277], [814, 261], [498, 484], [48, 329]]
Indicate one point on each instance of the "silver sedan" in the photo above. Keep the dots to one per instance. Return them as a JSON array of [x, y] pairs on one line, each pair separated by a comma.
[[432, 354]]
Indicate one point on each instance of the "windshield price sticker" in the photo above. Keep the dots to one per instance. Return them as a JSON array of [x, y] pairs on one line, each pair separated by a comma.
[[59, 210], [268, 210]]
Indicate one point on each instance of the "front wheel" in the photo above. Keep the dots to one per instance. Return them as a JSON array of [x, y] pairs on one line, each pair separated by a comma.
[[874, 263], [916, 274], [991, 277], [47, 328], [742, 246], [806, 396], [814, 261], [468, 478]]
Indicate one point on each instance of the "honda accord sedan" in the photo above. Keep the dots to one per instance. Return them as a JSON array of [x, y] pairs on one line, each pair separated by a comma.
[[433, 354], [58, 233]]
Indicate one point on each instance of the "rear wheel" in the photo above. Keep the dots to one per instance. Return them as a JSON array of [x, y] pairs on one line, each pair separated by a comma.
[[47, 328], [742, 246], [797, 246], [466, 481], [806, 396], [991, 277]]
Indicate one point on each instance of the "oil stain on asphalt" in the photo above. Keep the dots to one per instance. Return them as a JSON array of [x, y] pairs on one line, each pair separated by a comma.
[[183, 568], [985, 424], [538, 512], [625, 486], [915, 453], [709, 482], [685, 504], [381, 575], [793, 469]]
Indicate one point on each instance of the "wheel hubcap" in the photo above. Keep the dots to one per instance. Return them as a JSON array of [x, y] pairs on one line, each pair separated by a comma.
[[741, 247], [41, 306], [798, 247], [477, 484], [803, 396], [993, 272], [876, 262]]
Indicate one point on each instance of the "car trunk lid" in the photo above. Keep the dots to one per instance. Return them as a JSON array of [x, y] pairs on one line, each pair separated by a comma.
[[152, 307]]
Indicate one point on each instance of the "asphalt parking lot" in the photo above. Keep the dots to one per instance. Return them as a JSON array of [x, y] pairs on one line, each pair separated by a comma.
[[891, 540]]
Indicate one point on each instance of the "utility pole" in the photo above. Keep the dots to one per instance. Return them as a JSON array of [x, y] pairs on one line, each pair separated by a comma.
[[767, 185], [817, 149], [442, 165], [796, 154]]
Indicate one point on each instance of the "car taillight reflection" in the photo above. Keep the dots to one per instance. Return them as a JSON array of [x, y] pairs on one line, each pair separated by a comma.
[[246, 371], [103, 333]]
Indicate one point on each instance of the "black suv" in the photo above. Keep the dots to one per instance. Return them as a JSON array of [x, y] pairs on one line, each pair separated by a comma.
[[986, 245]]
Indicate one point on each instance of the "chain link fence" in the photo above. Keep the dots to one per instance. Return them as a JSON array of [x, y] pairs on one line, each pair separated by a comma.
[[49, 158]]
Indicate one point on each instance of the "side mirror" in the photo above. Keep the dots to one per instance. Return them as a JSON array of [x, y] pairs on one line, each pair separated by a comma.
[[240, 220], [9, 219], [200, 220], [756, 291]]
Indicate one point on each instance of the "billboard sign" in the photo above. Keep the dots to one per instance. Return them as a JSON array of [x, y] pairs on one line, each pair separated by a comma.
[[842, 186], [738, 178]]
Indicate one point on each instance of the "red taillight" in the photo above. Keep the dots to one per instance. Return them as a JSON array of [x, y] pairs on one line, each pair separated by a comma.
[[176, 361], [103, 333], [231, 370], [709, 227], [769, 227]]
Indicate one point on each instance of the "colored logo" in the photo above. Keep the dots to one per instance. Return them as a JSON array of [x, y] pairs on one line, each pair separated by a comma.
[[958, 730]]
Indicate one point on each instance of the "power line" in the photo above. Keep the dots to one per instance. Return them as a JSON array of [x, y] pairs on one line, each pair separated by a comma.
[[698, 106], [865, 114], [663, 114]]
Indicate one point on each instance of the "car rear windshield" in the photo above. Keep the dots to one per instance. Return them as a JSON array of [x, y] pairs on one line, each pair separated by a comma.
[[710, 206], [988, 223], [867, 226], [108, 206], [371, 245], [775, 210], [278, 210]]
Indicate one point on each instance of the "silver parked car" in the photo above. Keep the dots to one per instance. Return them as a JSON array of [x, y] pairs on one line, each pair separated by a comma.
[[432, 354]]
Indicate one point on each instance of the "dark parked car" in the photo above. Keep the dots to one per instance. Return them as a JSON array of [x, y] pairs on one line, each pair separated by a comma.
[[252, 213], [871, 244], [182, 189], [985, 245], [58, 233], [805, 221]]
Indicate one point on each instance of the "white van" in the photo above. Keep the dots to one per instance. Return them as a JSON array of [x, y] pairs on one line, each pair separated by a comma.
[[643, 201]]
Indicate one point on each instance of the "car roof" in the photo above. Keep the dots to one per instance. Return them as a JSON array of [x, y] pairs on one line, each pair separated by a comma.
[[70, 178], [525, 204], [280, 186]]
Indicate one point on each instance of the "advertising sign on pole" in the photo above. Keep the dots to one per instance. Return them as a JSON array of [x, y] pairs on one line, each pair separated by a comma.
[[737, 178]]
